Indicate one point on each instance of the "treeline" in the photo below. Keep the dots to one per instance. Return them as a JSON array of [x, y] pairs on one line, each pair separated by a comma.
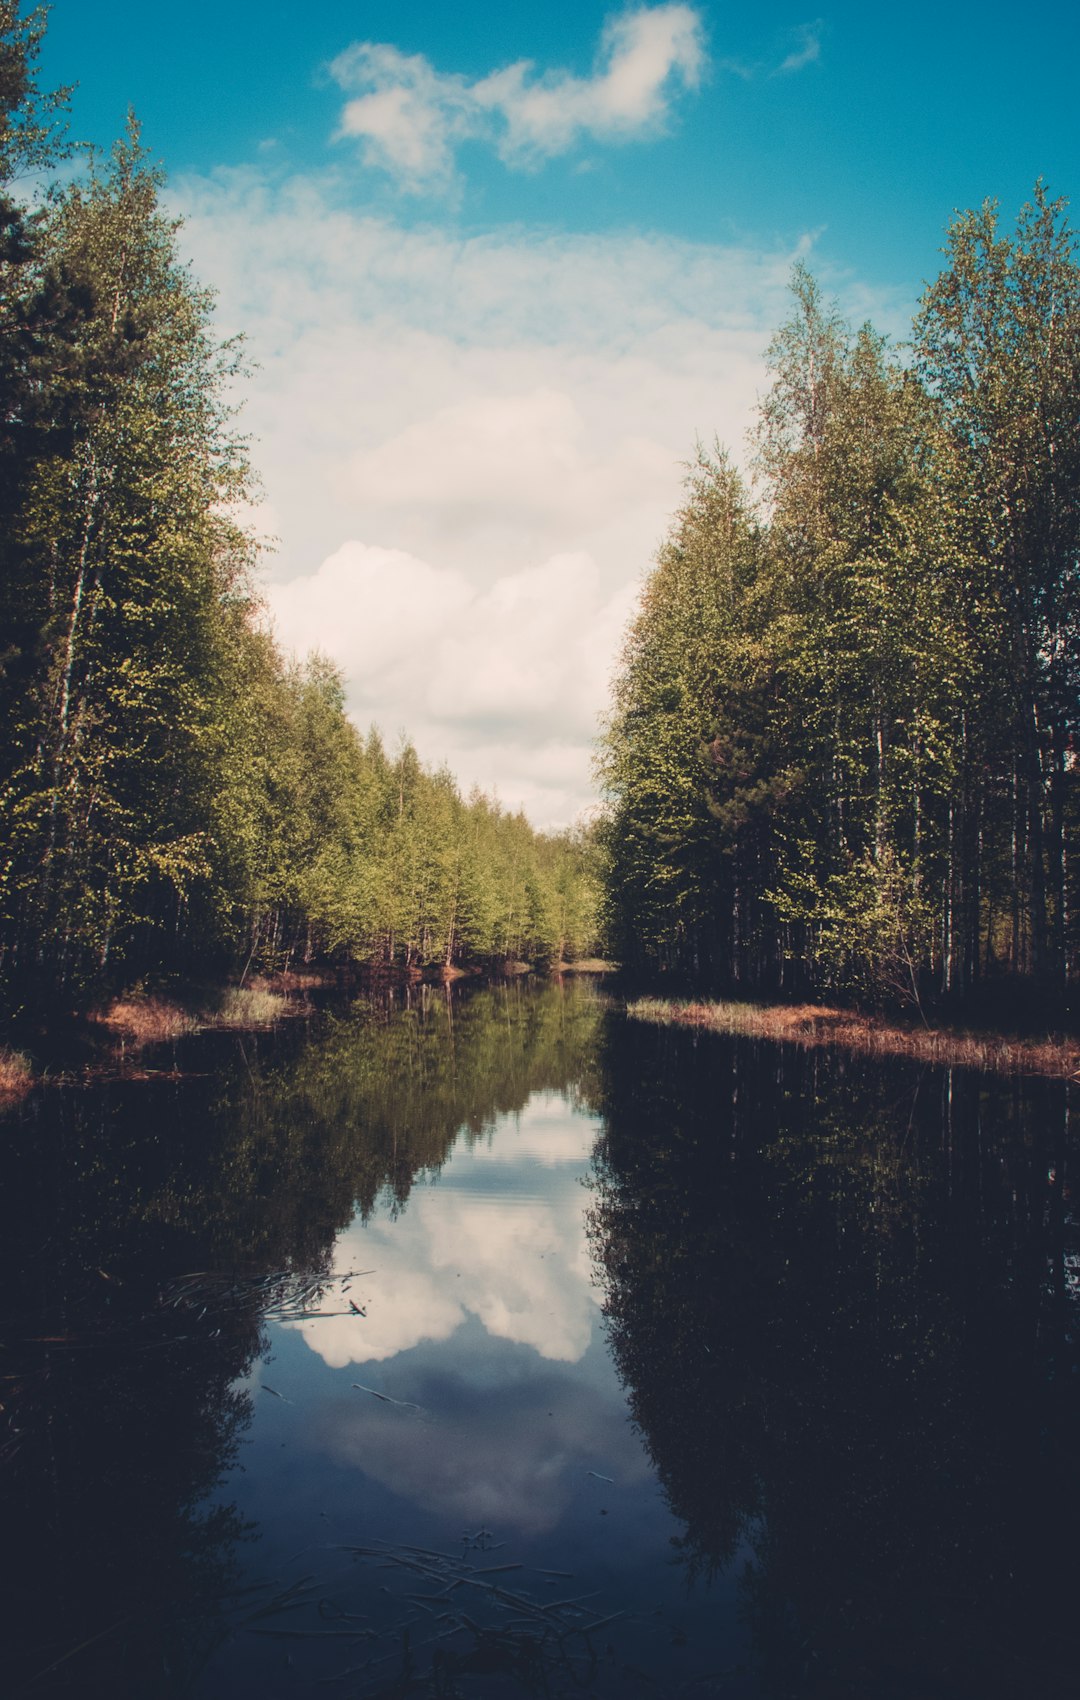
[[841, 754], [174, 794]]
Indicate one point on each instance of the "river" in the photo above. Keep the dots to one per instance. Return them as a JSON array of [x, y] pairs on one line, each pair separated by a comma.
[[487, 1343]]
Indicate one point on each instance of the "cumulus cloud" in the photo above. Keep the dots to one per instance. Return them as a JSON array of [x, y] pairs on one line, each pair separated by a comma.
[[486, 1266], [470, 449], [519, 1460], [406, 116], [527, 660], [409, 118]]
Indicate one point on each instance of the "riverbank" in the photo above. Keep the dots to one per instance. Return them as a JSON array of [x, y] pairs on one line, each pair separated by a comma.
[[111, 1038], [69, 1048], [153, 1020], [819, 1026]]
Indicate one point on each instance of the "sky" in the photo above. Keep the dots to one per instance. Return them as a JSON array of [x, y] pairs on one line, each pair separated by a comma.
[[501, 268]]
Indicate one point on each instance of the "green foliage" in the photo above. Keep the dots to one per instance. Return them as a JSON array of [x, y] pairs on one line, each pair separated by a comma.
[[841, 754], [123, 568], [174, 795]]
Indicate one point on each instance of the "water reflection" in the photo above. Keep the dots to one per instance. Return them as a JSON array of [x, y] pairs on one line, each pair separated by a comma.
[[843, 1298], [124, 1402], [119, 1414], [483, 1244], [839, 1298]]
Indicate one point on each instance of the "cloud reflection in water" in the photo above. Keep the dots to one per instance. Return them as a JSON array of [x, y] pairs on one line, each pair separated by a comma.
[[491, 1255], [500, 1237]]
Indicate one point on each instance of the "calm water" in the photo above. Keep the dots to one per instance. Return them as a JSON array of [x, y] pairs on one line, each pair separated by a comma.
[[499, 1346]]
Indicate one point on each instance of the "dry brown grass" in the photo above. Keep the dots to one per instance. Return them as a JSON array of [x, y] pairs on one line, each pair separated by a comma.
[[152, 1020], [16, 1074], [813, 1025], [588, 965], [146, 1020], [292, 980]]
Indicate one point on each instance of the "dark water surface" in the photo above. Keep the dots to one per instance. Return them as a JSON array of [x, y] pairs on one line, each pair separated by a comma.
[[498, 1346]]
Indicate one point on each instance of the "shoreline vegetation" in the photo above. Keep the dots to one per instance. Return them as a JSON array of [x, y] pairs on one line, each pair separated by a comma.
[[155, 1019], [139, 1018], [148, 1018], [16, 1075], [821, 1026]]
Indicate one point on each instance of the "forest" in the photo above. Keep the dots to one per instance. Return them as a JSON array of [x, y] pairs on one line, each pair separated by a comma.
[[177, 797], [841, 756]]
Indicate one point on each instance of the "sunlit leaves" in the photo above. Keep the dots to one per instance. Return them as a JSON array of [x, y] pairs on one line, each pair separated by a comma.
[[842, 750]]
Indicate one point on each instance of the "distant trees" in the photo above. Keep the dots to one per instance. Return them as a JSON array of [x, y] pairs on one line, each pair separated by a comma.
[[366, 857], [174, 795], [841, 748]]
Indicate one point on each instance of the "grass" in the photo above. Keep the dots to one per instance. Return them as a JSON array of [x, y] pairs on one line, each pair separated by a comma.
[[149, 1019], [253, 1006], [818, 1025], [16, 1074], [146, 1020]]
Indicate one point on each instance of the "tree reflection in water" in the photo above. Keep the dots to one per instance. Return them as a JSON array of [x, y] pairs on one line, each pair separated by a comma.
[[842, 1297], [122, 1408]]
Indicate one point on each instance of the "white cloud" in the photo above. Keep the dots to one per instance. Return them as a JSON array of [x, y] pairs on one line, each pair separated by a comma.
[[471, 448], [406, 116], [515, 1464], [409, 118], [525, 661], [514, 1258], [808, 51]]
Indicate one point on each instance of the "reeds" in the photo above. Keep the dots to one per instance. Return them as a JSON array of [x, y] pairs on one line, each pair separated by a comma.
[[252, 1006], [16, 1074], [146, 1020], [280, 1295], [153, 1020], [818, 1025]]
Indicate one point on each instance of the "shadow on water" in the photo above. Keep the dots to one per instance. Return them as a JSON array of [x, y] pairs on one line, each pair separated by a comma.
[[121, 1377], [843, 1296]]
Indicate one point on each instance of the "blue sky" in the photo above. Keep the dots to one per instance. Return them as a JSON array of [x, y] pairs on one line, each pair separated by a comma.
[[898, 115], [500, 267]]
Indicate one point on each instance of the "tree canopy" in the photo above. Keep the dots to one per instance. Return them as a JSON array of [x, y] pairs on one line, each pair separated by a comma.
[[841, 753], [176, 796]]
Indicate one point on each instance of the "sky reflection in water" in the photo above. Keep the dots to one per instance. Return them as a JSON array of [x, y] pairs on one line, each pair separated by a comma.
[[490, 1256], [482, 1324], [836, 1363]]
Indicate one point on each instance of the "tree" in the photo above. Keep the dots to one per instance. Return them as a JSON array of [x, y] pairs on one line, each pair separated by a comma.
[[688, 759], [130, 574], [843, 736], [998, 343]]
